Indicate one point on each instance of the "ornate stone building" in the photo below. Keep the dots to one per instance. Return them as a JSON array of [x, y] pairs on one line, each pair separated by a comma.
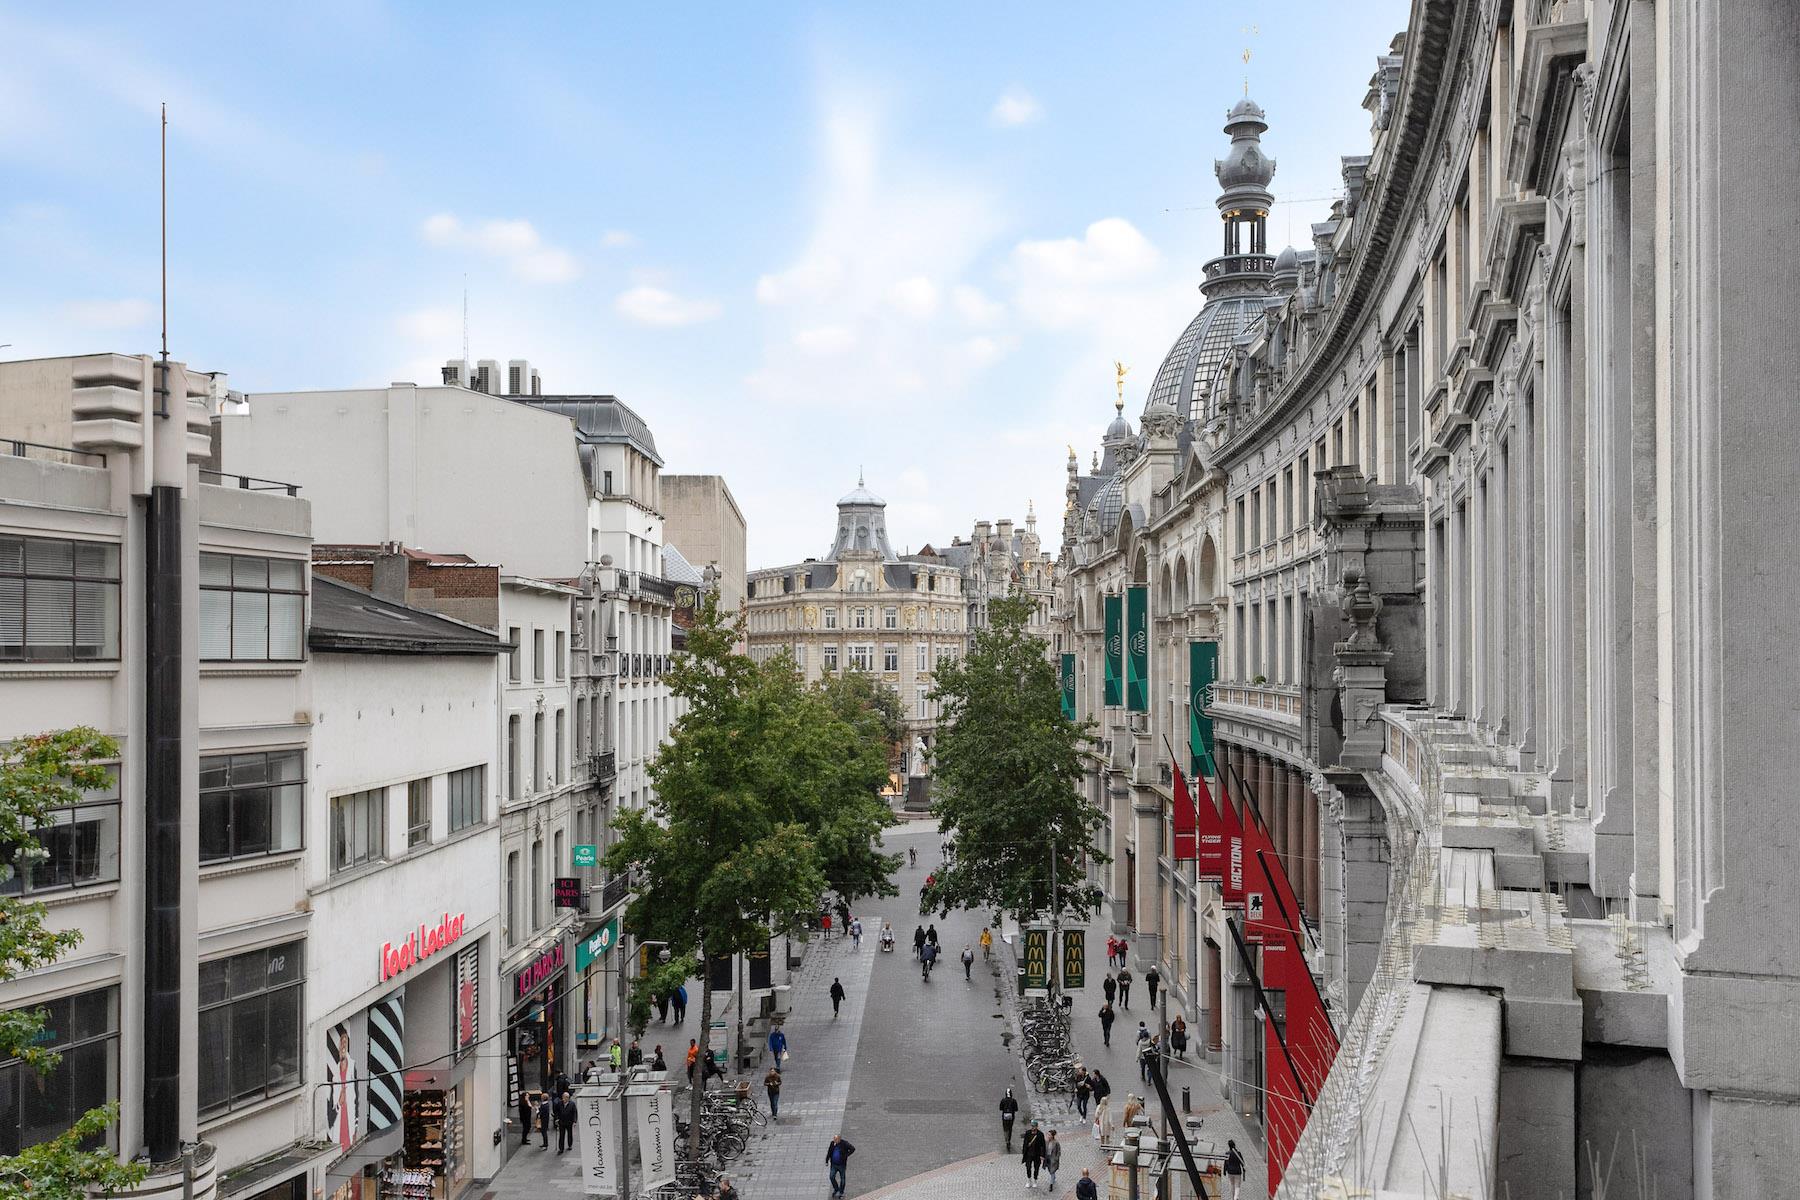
[[999, 560], [863, 607], [1461, 525]]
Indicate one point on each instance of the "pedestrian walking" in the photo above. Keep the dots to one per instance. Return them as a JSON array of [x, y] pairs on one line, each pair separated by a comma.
[[837, 996], [1152, 981], [968, 959], [855, 933], [1083, 1089], [1031, 1151], [679, 1001], [659, 1063], [1106, 1020], [727, 1191], [662, 1007], [912, 856], [987, 943], [778, 1047], [546, 1116], [1102, 1088], [825, 924], [931, 934], [1110, 986], [1234, 1168], [710, 1070], [525, 1110], [615, 1054], [1084, 1187], [634, 1057], [772, 1085], [918, 939], [1125, 988], [1009, 1112], [1052, 1158], [1146, 1055], [1112, 951], [565, 1124], [693, 1057], [837, 1162], [1178, 1036], [1143, 1034], [1124, 953]]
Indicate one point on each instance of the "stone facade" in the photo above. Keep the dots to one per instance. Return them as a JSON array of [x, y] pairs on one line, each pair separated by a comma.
[[1475, 497]]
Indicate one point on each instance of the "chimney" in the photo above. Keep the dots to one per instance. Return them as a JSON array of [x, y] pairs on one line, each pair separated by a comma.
[[390, 572], [1004, 530]]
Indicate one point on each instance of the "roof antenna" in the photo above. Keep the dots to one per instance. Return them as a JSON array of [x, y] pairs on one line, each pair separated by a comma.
[[465, 320], [162, 388], [859, 475]]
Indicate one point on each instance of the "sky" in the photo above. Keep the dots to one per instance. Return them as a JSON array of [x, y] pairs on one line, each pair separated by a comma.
[[803, 240]]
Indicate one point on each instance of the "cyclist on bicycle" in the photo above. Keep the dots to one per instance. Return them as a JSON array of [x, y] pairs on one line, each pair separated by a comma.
[[987, 943]]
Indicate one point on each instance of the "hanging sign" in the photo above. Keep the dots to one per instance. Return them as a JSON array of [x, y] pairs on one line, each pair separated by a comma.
[[1137, 646], [1115, 651], [1203, 668], [597, 1138], [1037, 958], [656, 1138], [569, 892], [586, 856], [594, 946], [1074, 959], [1067, 670]]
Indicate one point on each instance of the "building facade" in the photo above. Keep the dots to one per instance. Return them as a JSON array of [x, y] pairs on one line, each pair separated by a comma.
[[704, 522], [998, 561], [1453, 535], [864, 608]]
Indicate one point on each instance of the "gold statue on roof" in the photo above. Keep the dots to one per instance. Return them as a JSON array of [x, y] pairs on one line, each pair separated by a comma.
[[1122, 371]]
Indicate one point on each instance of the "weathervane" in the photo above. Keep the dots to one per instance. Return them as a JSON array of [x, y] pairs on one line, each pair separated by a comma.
[[1249, 31], [1122, 370]]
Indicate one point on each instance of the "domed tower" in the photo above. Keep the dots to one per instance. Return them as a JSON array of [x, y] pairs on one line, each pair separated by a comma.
[[1244, 201], [862, 526]]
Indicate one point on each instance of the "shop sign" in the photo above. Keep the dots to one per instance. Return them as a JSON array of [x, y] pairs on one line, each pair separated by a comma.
[[569, 892], [1037, 958], [420, 945], [586, 856], [597, 1139], [596, 944], [656, 1138], [542, 968]]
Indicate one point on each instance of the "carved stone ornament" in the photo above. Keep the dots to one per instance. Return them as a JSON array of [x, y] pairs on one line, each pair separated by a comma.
[[1360, 607]]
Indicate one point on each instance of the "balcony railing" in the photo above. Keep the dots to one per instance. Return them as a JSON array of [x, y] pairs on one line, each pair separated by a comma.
[[604, 766], [248, 483], [1281, 701], [43, 451], [613, 893]]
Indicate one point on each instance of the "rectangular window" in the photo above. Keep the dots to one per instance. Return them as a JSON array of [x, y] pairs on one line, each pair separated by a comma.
[[1304, 478], [890, 617], [84, 1030], [418, 813], [560, 748], [358, 828], [831, 617], [1256, 523], [829, 656], [251, 609], [800, 655], [561, 653], [250, 804], [1287, 500], [1272, 533], [512, 757], [466, 788], [251, 1022], [862, 658], [923, 662], [861, 618], [890, 658], [59, 600], [537, 883], [80, 846], [514, 667], [923, 698], [538, 776], [606, 484], [1242, 545], [537, 655], [512, 899]]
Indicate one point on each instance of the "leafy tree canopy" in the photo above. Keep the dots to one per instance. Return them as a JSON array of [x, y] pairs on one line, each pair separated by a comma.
[[38, 775], [1006, 777]]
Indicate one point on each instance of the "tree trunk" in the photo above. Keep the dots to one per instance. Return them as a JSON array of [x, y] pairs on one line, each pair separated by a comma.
[[697, 1093]]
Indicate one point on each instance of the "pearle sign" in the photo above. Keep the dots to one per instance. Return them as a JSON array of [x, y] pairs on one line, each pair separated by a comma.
[[420, 945]]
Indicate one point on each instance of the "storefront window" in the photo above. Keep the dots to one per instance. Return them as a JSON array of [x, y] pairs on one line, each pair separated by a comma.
[[34, 1108], [251, 1020]]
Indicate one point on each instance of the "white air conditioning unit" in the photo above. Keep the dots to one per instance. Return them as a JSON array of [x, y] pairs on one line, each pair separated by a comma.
[[783, 995]]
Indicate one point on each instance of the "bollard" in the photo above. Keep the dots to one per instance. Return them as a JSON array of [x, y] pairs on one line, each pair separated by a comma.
[[1184, 1101]]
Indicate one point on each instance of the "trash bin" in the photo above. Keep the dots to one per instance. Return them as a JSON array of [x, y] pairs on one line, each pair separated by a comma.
[[1021, 980], [1184, 1100]]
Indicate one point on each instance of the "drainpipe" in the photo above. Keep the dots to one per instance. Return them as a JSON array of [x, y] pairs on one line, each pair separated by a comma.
[[162, 825]]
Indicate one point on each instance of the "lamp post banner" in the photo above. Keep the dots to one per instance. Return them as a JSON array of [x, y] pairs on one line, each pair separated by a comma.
[[1137, 639], [597, 1138], [1203, 668], [1068, 686], [656, 1138], [1115, 651]]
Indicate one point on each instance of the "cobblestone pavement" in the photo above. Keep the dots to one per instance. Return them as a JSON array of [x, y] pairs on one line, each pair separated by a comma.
[[911, 1073]]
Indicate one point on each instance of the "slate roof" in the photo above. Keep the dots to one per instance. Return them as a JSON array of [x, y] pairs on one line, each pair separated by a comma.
[[349, 620], [600, 419]]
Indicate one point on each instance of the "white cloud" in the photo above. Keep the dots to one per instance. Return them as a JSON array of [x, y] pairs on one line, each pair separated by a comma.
[[516, 243], [110, 314], [916, 297], [617, 239], [975, 306], [431, 324], [825, 339], [1068, 282], [1015, 107], [653, 306]]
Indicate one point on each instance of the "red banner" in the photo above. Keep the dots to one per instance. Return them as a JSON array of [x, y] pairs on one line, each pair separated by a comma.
[[1187, 847], [1212, 835], [1287, 1112], [1231, 885]]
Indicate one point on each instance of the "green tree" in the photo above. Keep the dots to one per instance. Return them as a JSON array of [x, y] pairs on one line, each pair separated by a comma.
[[1006, 774], [866, 701], [863, 727], [38, 775], [760, 789]]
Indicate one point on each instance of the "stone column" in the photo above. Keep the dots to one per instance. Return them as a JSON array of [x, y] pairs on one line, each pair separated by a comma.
[[1311, 848], [1278, 807], [1299, 853], [1265, 790]]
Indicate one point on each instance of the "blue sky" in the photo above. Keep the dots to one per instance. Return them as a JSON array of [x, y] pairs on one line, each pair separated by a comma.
[[799, 238]]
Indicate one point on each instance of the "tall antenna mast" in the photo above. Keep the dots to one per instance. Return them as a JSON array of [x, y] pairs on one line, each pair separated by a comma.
[[465, 320], [162, 391]]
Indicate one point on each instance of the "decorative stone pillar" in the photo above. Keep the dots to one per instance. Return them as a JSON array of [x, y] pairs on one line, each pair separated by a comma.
[[1299, 853], [1265, 790], [1278, 807], [1309, 848], [1361, 676]]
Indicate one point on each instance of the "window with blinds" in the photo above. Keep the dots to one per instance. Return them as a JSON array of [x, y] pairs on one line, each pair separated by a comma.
[[466, 788], [59, 600], [76, 846], [251, 609], [250, 804], [358, 828]]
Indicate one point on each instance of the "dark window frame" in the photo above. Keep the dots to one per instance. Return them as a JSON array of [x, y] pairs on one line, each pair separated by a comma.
[[418, 829], [24, 876], [239, 791], [17, 576], [21, 1086], [466, 794], [231, 992], [248, 586], [375, 849]]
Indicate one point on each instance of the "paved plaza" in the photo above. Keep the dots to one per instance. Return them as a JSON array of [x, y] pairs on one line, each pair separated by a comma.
[[910, 1073]]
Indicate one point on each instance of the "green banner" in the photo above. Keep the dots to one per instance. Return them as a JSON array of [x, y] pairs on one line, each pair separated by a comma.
[[1115, 650], [1074, 960], [1137, 645], [1068, 686], [595, 945], [586, 856], [1037, 958], [1203, 669]]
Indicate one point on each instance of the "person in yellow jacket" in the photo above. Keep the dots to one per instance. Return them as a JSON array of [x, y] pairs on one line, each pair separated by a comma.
[[987, 943]]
